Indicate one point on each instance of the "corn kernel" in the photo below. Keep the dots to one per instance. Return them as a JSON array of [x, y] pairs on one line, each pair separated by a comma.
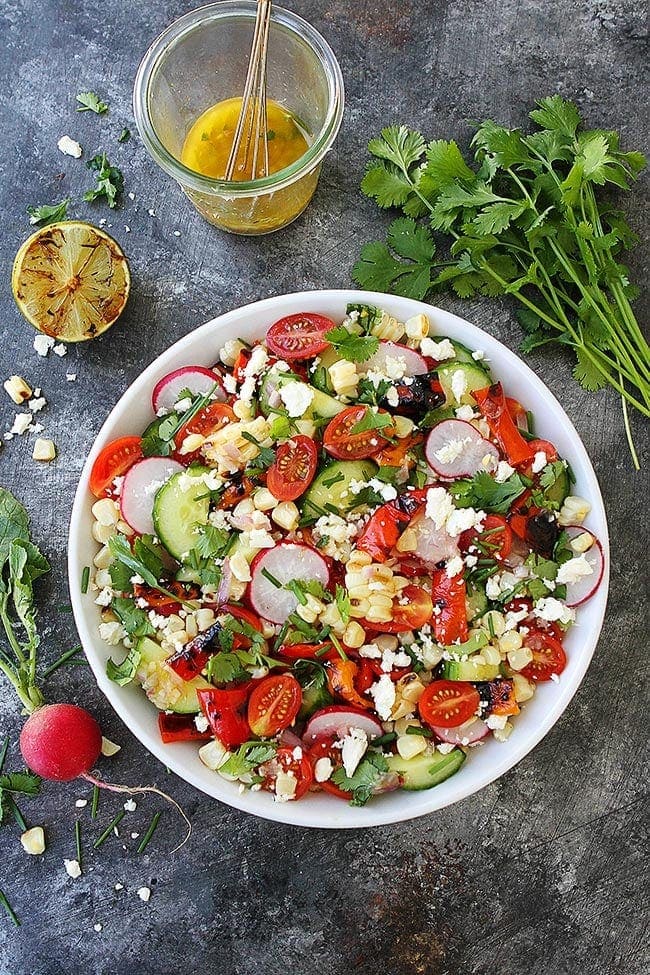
[[582, 543], [18, 389], [44, 450], [518, 659], [237, 589], [407, 542], [190, 626], [491, 655], [502, 734], [417, 328], [204, 619], [359, 608], [403, 426], [573, 511], [379, 614], [109, 748], [102, 533], [354, 635], [286, 515], [263, 500], [268, 629], [524, 689], [192, 442], [104, 558], [242, 410], [510, 641], [403, 723], [124, 529], [230, 351], [386, 642], [411, 688], [106, 512], [33, 840], [409, 746]]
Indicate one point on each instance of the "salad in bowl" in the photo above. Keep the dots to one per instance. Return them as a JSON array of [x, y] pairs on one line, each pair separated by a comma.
[[339, 559]]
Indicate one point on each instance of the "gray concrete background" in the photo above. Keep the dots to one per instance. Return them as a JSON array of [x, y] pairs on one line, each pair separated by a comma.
[[542, 872]]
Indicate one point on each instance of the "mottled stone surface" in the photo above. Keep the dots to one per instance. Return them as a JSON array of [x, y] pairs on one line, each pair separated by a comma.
[[542, 872]]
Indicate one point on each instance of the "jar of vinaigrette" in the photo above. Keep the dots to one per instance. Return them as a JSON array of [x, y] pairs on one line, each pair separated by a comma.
[[187, 98]]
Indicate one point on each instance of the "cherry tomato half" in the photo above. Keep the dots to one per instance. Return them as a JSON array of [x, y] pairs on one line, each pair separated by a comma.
[[323, 747], [114, 461], [274, 704], [549, 657], [294, 468], [495, 538], [448, 703], [285, 760], [414, 612], [212, 417], [340, 441], [299, 336]]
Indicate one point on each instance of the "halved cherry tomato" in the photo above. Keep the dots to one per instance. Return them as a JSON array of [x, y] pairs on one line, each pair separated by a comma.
[[415, 610], [285, 760], [549, 657], [341, 678], [401, 452], [114, 461], [341, 442], [450, 622], [212, 417], [294, 468], [227, 722], [299, 336], [323, 747], [448, 703], [180, 727], [495, 537], [544, 446], [274, 704]]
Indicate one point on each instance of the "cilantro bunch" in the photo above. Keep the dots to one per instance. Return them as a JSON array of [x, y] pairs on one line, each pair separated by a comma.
[[527, 218]]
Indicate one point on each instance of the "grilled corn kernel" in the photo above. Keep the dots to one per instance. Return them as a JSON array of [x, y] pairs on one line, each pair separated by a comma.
[[243, 410], [510, 641], [263, 500], [268, 629], [491, 655], [380, 614], [360, 608], [106, 512], [44, 449], [237, 589], [190, 626], [240, 568], [416, 328], [354, 635], [386, 642], [524, 689], [409, 746], [402, 708], [192, 442], [286, 515], [18, 389], [582, 543], [103, 558], [102, 533], [407, 542], [124, 529], [388, 329], [411, 688], [230, 351], [403, 723], [518, 659], [204, 619], [343, 376], [573, 511], [33, 840]]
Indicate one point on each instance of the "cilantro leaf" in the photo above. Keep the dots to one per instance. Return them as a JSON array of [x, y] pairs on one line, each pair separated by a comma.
[[110, 181], [90, 102], [248, 756], [408, 274], [364, 780], [46, 214], [25, 782], [343, 603], [223, 668], [484, 493], [354, 348], [125, 672], [134, 620], [372, 420]]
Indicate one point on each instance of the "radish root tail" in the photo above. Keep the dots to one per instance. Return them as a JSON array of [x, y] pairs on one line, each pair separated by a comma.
[[138, 790]]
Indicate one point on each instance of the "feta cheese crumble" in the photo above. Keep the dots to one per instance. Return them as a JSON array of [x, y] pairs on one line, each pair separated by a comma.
[[437, 350], [354, 748], [296, 397]]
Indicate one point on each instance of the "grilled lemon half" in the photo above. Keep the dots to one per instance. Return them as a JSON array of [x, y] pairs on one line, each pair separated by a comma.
[[71, 281]]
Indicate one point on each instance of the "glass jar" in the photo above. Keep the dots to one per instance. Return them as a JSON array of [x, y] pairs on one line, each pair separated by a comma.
[[202, 59]]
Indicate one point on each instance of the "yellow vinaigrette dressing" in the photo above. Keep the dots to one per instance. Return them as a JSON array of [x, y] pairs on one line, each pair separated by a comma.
[[206, 150]]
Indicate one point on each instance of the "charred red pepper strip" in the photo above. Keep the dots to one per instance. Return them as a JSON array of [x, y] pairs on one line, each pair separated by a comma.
[[341, 675], [384, 528], [180, 727], [227, 723], [494, 408], [450, 619]]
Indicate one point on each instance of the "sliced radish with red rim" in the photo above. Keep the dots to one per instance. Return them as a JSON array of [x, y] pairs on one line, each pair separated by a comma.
[[196, 380], [455, 448], [141, 482], [273, 568], [414, 363], [465, 734], [337, 722], [581, 590]]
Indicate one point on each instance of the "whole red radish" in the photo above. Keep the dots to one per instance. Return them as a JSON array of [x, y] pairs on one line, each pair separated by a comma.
[[60, 742]]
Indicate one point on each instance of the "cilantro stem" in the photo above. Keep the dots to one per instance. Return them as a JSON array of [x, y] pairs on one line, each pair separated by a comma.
[[18, 816], [3, 752]]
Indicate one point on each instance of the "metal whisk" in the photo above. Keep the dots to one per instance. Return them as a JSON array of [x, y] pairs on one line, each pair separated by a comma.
[[251, 124]]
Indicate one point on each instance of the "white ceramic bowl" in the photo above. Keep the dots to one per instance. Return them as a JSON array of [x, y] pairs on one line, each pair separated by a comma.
[[484, 764]]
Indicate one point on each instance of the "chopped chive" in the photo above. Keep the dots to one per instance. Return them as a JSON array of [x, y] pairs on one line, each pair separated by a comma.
[[95, 802], [3, 753], [85, 579], [271, 578], [333, 510], [294, 587], [384, 739], [77, 838], [339, 649], [422, 732], [530, 421], [109, 829], [63, 659], [333, 480], [490, 623], [316, 507], [321, 651], [8, 908], [18, 816], [147, 836]]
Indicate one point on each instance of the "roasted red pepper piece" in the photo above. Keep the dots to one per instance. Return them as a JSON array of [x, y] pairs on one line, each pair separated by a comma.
[[227, 722], [450, 622], [165, 605], [180, 727], [382, 532], [492, 404], [341, 677]]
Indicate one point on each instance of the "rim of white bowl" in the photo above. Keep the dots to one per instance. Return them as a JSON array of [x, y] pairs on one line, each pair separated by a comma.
[[322, 811]]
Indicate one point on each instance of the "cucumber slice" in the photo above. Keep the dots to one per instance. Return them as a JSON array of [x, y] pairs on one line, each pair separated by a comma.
[[476, 601], [332, 485], [426, 770], [165, 688], [476, 377], [324, 405], [469, 670], [179, 509]]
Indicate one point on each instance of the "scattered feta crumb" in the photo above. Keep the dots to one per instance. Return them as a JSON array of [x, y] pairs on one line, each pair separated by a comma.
[[69, 147], [37, 404], [71, 376], [151, 212], [296, 397], [81, 803], [575, 569], [72, 868], [21, 423], [459, 384], [144, 893], [177, 233], [118, 886], [60, 349], [439, 506], [130, 805], [437, 350], [127, 229], [551, 609], [97, 927], [454, 567], [355, 744], [465, 412], [503, 471], [478, 355], [383, 694], [134, 836], [323, 769]]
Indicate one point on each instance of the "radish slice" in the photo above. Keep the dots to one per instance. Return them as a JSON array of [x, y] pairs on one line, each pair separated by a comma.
[[582, 589], [389, 782], [433, 544], [139, 490], [465, 734], [455, 448], [336, 722], [412, 364], [289, 740], [286, 562], [196, 379]]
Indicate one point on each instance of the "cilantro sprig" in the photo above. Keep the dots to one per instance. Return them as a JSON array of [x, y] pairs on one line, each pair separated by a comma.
[[109, 180], [486, 494], [48, 213], [354, 348], [527, 219], [365, 778], [90, 102]]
